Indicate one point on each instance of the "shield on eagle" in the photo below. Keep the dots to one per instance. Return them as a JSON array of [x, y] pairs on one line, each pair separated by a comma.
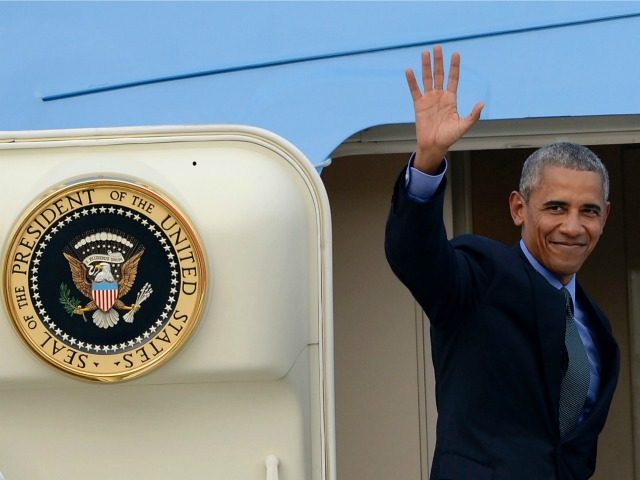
[[104, 294]]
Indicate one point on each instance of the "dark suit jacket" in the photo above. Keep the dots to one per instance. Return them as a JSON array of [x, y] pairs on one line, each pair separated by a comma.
[[497, 335]]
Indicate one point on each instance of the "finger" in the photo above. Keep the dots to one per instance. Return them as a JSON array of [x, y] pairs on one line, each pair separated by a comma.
[[473, 117], [427, 79], [438, 68], [477, 110], [416, 94], [454, 73]]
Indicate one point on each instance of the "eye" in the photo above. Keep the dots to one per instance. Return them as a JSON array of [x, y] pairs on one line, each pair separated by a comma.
[[555, 208], [591, 211]]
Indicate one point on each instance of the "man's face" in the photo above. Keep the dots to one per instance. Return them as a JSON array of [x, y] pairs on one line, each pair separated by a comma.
[[563, 219]]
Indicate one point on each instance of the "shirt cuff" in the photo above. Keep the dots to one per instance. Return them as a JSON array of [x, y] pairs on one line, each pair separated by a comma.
[[421, 186]]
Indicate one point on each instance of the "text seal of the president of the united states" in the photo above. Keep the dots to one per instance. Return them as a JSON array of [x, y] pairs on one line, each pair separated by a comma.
[[104, 279]]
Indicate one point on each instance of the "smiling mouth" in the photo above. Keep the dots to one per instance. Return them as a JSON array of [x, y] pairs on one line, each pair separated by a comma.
[[569, 244]]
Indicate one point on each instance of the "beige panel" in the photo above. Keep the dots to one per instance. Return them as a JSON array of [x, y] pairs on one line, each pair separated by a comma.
[[222, 431], [253, 381], [377, 415], [244, 200]]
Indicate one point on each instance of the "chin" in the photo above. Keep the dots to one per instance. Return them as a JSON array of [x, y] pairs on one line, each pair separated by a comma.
[[566, 271]]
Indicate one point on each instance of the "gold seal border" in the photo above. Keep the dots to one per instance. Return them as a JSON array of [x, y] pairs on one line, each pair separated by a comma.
[[27, 218]]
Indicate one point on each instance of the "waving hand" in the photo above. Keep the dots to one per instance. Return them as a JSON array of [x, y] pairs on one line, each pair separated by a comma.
[[438, 124]]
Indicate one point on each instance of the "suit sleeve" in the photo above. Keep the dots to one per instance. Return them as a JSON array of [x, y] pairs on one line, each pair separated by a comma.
[[444, 279]]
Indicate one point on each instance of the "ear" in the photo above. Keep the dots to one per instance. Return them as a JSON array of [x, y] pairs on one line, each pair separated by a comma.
[[517, 207]]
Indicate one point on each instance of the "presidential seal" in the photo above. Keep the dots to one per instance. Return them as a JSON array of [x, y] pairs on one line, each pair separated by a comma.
[[104, 279]]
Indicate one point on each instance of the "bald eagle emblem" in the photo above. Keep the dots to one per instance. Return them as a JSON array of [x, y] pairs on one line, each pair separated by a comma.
[[104, 266]]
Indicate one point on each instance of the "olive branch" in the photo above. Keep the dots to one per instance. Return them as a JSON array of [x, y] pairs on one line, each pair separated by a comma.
[[69, 303]]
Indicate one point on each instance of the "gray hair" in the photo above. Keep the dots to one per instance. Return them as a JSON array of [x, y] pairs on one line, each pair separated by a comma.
[[563, 154]]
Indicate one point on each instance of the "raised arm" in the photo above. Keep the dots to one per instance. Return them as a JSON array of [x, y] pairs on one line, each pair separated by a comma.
[[438, 124]]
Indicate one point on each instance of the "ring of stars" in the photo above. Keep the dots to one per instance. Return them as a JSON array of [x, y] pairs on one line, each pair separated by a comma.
[[85, 347]]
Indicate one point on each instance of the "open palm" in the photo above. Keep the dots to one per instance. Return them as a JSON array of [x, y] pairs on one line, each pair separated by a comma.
[[438, 123]]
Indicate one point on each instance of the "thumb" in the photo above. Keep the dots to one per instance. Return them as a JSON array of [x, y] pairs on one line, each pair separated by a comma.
[[473, 117], [475, 113]]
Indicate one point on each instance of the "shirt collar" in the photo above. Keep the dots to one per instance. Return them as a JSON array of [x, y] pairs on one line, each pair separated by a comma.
[[548, 276]]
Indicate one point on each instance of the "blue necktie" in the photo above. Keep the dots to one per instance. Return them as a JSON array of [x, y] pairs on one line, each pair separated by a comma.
[[575, 384]]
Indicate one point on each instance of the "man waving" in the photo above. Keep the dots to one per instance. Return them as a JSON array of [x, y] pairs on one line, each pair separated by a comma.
[[525, 362]]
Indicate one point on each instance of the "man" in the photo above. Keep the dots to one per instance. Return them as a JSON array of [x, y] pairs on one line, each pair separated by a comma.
[[525, 363]]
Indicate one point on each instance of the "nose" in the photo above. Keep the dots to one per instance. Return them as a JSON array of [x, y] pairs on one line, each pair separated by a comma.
[[571, 224]]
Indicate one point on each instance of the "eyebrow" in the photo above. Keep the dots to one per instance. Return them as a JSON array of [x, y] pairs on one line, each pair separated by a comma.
[[560, 203], [592, 206]]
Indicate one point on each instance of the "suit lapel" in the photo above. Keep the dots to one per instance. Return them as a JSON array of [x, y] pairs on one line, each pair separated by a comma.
[[549, 315], [608, 353]]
